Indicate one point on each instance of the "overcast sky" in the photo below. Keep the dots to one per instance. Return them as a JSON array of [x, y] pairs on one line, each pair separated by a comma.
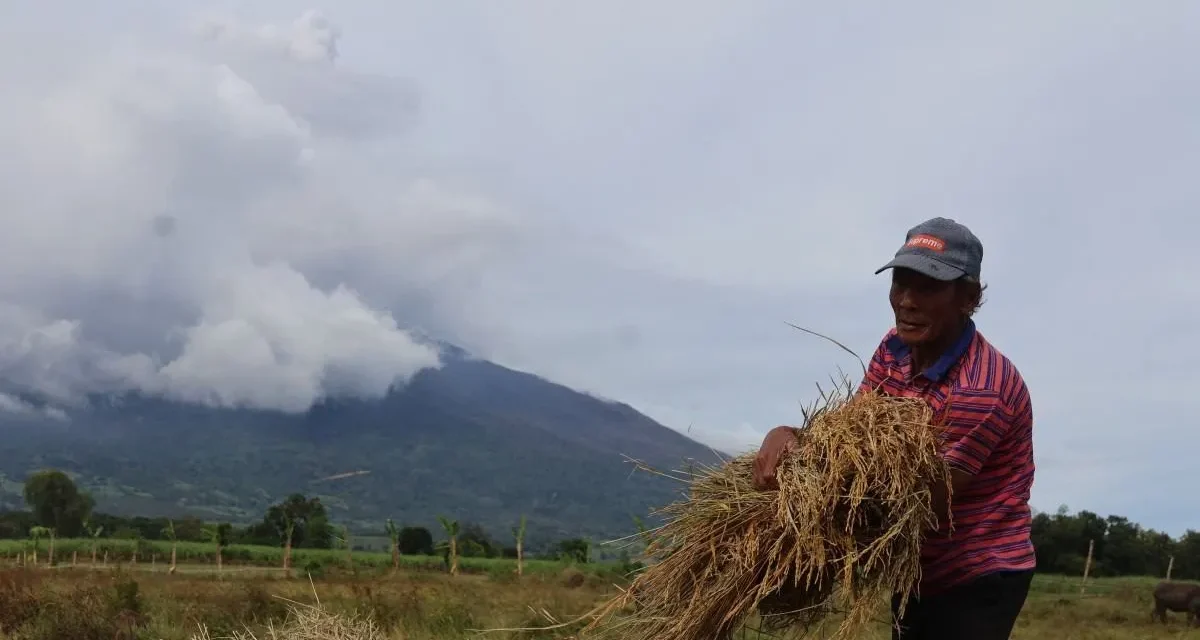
[[254, 204]]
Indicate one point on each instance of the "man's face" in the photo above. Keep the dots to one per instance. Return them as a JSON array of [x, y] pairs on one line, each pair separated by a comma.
[[926, 309]]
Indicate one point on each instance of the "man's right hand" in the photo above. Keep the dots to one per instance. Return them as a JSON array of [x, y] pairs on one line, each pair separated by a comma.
[[777, 441]]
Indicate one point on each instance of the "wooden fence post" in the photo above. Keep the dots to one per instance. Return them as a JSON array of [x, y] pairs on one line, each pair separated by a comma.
[[1170, 566], [1087, 566]]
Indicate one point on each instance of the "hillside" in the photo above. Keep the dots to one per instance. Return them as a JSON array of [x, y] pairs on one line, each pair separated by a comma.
[[472, 440]]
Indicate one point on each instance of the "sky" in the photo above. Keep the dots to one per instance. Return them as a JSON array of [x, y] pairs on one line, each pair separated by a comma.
[[263, 204]]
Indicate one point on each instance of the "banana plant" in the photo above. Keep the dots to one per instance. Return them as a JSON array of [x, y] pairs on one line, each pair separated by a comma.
[[451, 527], [36, 534], [219, 536], [289, 529], [519, 534], [169, 534], [394, 534], [95, 536], [344, 540]]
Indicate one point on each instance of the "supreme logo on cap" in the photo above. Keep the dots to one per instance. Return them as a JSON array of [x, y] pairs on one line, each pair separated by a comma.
[[926, 241]]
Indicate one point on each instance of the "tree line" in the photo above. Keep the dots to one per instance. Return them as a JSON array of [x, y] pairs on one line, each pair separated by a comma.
[[58, 507], [1120, 547]]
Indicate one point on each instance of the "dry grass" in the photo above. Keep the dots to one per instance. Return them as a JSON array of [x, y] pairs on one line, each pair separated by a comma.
[[92, 605], [309, 622], [842, 533]]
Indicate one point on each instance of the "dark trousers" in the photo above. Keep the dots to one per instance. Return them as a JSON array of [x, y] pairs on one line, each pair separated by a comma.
[[983, 609]]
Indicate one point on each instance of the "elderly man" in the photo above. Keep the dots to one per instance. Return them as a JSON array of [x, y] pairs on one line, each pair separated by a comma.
[[975, 579]]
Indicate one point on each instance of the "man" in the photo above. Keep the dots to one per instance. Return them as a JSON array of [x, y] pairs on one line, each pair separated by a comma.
[[976, 578]]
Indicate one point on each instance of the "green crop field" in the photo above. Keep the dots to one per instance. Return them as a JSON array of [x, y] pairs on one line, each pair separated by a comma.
[[200, 556]]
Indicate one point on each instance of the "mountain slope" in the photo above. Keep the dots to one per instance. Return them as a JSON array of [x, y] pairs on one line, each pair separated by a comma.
[[472, 440]]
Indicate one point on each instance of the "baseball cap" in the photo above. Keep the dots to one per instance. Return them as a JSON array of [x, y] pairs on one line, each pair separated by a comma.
[[939, 248]]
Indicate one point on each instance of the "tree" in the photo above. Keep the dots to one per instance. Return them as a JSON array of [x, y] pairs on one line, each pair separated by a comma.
[[416, 541], [1122, 553], [474, 542], [57, 503], [306, 518], [318, 534], [575, 549], [190, 529]]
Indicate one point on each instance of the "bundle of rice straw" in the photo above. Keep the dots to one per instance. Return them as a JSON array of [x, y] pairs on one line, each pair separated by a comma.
[[842, 533]]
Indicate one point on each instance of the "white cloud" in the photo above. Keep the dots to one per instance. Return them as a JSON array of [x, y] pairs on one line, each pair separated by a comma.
[[267, 339], [167, 216]]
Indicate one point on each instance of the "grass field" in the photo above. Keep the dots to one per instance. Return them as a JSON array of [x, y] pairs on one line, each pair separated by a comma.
[[201, 557], [82, 603]]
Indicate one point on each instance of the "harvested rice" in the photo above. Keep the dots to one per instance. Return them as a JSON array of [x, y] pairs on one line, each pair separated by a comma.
[[842, 533]]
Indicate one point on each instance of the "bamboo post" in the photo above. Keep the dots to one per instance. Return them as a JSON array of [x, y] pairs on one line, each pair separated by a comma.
[[1087, 566], [1170, 566]]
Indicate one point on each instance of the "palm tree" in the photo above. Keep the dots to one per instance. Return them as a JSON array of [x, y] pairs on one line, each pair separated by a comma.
[[451, 527]]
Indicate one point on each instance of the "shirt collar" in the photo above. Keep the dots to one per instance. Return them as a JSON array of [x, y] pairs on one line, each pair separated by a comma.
[[942, 365]]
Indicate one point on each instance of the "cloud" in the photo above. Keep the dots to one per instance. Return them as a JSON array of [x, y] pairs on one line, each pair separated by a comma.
[[174, 216], [14, 405], [310, 38]]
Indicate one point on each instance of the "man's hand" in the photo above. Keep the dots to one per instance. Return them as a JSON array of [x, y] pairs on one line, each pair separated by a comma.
[[777, 441]]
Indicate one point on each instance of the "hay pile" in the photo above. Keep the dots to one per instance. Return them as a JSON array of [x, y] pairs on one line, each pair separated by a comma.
[[842, 533]]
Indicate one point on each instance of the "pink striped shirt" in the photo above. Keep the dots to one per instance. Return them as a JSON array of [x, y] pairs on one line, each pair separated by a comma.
[[982, 400]]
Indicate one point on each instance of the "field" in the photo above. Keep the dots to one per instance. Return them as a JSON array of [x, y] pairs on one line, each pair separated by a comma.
[[420, 602], [201, 557]]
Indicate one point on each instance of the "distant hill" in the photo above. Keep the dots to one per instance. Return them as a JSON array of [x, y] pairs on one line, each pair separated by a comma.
[[471, 440]]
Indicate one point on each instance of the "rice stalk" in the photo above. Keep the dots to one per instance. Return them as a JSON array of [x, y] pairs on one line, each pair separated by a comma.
[[842, 533]]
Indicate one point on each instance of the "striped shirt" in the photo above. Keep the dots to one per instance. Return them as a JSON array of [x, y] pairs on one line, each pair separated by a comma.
[[980, 397]]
